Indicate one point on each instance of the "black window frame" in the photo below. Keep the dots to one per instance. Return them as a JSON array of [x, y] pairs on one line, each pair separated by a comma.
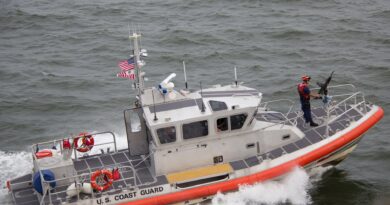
[[217, 109], [184, 133], [227, 124], [158, 134], [243, 123], [253, 117]]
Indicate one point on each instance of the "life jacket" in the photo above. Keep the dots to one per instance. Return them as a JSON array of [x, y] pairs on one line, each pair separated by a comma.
[[301, 91]]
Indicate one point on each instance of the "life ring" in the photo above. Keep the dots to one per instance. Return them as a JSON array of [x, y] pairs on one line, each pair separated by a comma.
[[101, 180], [44, 153], [87, 142]]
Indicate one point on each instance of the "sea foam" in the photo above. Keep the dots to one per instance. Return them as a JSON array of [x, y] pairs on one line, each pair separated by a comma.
[[292, 188]]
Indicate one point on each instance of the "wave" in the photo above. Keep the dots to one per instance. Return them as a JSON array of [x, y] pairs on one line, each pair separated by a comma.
[[13, 164], [293, 189], [290, 34]]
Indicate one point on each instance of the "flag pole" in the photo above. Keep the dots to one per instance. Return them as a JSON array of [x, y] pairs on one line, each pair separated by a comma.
[[185, 74], [235, 75], [132, 83]]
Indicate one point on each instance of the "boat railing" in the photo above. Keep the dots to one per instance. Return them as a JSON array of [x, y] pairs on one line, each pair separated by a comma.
[[349, 87], [58, 144], [348, 97], [292, 121], [356, 99], [342, 103], [79, 180], [334, 111], [290, 108]]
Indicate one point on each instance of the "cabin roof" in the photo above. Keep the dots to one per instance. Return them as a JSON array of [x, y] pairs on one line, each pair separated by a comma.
[[185, 106]]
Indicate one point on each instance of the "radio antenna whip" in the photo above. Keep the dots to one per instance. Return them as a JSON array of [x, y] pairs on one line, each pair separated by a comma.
[[235, 75], [154, 107], [201, 97]]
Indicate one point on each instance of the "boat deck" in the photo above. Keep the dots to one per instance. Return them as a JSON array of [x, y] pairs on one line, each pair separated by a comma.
[[135, 171]]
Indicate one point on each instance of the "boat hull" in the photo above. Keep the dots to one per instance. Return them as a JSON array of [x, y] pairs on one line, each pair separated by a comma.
[[328, 154]]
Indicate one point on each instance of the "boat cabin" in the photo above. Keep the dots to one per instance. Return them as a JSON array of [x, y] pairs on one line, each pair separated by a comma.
[[180, 130]]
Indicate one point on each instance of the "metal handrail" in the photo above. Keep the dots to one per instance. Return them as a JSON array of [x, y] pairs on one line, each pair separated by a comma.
[[59, 141], [279, 100], [354, 95], [76, 178], [283, 123], [329, 110], [338, 86]]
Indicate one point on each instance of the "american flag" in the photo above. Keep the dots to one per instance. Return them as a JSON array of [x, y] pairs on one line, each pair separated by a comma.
[[126, 64], [126, 74]]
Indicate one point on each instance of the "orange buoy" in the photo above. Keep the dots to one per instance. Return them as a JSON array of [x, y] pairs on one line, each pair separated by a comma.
[[44, 153], [87, 142], [101, 180]]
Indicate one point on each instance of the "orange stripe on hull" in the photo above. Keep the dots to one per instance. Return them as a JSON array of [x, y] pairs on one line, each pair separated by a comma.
[[271, 173]]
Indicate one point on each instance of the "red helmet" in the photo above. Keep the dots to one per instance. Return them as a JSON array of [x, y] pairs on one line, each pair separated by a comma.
[[305, 78]]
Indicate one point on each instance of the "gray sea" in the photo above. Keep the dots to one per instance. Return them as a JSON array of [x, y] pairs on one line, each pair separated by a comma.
[[58, 65]]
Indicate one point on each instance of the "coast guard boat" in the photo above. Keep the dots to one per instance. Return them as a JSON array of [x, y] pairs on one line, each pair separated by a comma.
[[184, 146]]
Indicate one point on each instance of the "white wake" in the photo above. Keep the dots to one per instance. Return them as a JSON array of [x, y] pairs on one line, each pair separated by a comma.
[[293, 188]]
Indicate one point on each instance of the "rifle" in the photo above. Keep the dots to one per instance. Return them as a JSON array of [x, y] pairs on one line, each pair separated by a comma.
[[324, 89]]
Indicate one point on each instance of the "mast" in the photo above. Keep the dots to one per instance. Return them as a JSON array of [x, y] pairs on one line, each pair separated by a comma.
[[138, 64]]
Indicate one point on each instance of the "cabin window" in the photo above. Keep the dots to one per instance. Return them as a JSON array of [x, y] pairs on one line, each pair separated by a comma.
[[237, 121], [195, 129], [167, 134], [217, 105], [222, 124]]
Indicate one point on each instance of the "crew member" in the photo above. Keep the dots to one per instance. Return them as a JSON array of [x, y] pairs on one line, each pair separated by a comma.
[[305, 94]]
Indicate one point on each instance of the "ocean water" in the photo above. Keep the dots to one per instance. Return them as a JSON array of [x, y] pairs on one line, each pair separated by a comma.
[[58, 65]]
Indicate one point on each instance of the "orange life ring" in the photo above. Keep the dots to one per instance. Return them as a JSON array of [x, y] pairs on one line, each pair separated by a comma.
[[101, 180], [44, 153], [87, 142]]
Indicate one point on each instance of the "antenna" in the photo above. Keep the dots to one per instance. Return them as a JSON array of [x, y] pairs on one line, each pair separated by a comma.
[[154, 107], [185, 74], [201, 96], [235, 75], [128, 26]]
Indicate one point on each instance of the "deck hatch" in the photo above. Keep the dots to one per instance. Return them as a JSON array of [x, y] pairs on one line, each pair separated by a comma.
[[313, 136], [302, 143], [94, 162], [119, 184], [237, 165], [120, 157], [335, 126], [321, 130], [252, 161], [144, 175], [290, 148], [277, 152], [318, 112], [80, 165], [107, 160], [353, 112], [127, 174]]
